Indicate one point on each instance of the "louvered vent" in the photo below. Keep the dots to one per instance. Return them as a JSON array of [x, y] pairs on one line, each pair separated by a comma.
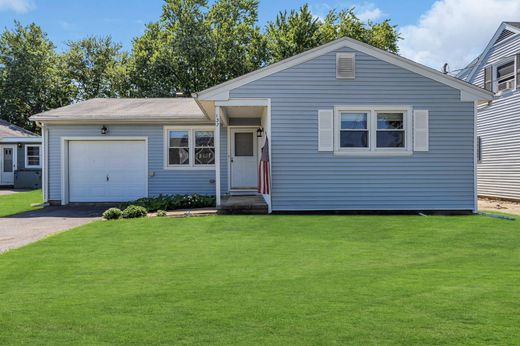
[[345, 66], [503, 35]]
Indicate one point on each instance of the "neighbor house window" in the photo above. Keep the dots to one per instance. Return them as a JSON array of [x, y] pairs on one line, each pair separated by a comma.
[[372, 129], [33, 156], [505, 76], [189, 147]]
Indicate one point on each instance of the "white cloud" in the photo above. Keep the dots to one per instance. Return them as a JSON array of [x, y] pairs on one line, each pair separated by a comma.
[[364, 11], [20, 6], [455, 31], [369, 12]]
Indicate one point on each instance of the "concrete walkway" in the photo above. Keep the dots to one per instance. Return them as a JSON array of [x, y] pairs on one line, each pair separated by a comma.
[[21, 229]]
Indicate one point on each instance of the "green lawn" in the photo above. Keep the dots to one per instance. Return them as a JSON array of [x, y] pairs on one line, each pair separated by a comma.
[[267, 280], [19, 202]]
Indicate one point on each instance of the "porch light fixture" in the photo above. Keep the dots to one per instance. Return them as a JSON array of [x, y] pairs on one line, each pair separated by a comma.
[[104, 130], [259, 132]]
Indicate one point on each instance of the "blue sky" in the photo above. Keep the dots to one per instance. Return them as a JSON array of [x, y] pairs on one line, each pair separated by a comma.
[[433, 31]]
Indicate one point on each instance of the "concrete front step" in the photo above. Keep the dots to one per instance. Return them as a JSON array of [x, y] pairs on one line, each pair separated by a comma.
[[243, 205]]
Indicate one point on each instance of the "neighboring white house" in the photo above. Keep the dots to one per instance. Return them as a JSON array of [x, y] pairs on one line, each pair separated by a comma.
[[497, 69], [350, 127], [20, 157]]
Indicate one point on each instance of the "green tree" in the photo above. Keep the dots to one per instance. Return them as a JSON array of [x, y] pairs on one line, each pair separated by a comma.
[[239, 46], [300, 30], [30, 78], [150, 73], [96, 68], [292, 34]]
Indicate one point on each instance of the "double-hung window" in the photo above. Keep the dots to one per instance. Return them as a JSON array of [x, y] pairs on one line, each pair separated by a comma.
[[505, 76], [372, 130], [33, 156], [189, 147]]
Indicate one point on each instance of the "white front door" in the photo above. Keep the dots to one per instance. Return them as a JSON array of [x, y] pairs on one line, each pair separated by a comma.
[[7, 164], [243, 159], [107, 171]]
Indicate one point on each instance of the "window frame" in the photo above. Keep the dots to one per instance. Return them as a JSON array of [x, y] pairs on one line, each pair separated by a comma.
[[191, 147], [372, 112], [495, 81], [26, 156]]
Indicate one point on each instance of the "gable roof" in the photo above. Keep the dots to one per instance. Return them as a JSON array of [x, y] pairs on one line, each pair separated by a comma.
[[126, 109], [221, 91], [513, 27], [9, 130]]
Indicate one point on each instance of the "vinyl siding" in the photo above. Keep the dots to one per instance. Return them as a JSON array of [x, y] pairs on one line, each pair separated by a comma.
[[162, 182], [499, 129], [305, 179]]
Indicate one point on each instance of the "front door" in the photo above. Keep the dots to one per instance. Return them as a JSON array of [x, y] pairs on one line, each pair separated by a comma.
[[244, 159], [7, 164]]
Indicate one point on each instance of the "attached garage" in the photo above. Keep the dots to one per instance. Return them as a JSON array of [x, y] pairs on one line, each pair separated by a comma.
[[105, 170]]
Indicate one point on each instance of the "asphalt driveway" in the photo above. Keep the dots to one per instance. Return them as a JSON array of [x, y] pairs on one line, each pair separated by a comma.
[[21, 229]]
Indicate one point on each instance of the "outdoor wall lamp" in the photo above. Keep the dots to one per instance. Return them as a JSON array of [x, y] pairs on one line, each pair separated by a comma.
[[259, 132], [104, 130]]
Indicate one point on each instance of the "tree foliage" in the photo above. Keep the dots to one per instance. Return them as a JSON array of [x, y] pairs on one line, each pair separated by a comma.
[[192, 46], [95, 67], [30, 75], [299, 31]]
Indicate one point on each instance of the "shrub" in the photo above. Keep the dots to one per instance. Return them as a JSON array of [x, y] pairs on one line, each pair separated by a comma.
[[161, 213], [112, 214], [171, 202], [134, 211]]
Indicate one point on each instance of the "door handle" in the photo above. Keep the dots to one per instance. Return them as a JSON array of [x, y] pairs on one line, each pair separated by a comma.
[[108, 178], [231, 160]]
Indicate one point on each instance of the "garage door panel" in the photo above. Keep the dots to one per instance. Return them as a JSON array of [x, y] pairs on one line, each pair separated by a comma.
[[107, 171]]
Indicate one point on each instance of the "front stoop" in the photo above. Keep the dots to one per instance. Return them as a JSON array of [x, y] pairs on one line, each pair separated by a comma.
[[243, 205]]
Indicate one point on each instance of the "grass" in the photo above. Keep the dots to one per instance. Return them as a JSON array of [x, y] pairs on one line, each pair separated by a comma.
[[302, 280], [19, 202]]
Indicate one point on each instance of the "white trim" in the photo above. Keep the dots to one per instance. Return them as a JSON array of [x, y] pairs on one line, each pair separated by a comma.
[[218, 191], [45, 168], [372, 149], [64, 120], [269, 134], [65, 159], [218, 90], [243, 103], [475, 159], [490, 44], [20, 139], [26, 158], [191, 147]]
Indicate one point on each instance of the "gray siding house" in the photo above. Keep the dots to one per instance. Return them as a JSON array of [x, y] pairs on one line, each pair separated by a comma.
[[350, 127], [498, 69], [20, 157]]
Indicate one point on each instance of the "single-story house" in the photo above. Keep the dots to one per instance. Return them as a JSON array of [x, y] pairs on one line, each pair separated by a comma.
[[20, 157], [350, 127]]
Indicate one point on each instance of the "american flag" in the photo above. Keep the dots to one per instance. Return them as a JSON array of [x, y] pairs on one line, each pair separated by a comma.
[[263, 170]]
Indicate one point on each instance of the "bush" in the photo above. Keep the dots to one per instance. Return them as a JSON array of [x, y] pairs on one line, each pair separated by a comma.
[[112, 214], [134, 211], [172, 202], [161, 213]]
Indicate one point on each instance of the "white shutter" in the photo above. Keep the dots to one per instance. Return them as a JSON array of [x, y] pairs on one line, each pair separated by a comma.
[[345, 65], [325, 130], [420, 130]]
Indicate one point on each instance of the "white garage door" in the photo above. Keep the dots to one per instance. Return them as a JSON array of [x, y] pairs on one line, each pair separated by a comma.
[[107, 171]]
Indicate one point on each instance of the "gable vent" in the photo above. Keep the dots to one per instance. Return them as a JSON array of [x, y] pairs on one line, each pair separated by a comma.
[[503, 35], [345, 66]]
